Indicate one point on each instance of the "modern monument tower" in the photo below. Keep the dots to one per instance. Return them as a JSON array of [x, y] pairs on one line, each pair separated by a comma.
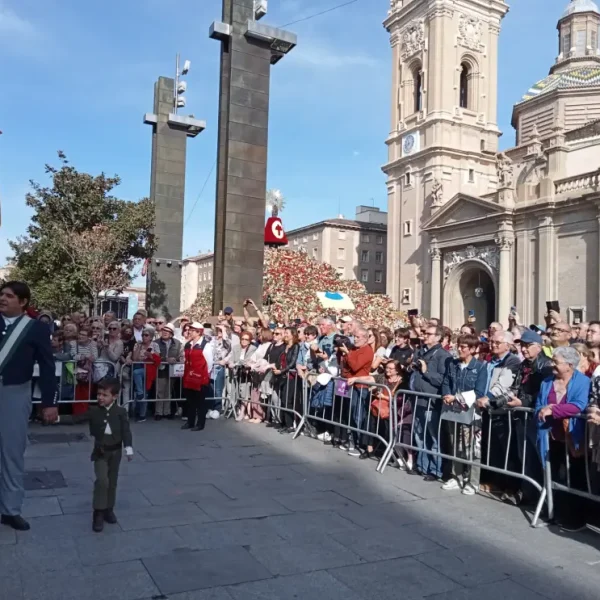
[[248, 49], [169, 140]]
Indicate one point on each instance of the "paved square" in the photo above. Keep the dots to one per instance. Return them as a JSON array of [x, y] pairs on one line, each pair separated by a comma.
[[239, 512]]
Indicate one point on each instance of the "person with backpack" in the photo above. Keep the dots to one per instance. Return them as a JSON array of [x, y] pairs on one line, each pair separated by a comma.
[[196, 378]]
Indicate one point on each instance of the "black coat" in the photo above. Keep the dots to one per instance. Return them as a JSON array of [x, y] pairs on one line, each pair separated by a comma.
[[34, 347], [116, 417]]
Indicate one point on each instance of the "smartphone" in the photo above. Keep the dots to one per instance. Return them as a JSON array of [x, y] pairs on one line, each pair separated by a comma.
[[513, 310], [413, 312], [553, 305], [471, 313]]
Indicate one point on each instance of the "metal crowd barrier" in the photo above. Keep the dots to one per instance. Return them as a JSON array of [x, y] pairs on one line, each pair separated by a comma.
[[429, 411], [72, 380], [559, 479], [352, 411]]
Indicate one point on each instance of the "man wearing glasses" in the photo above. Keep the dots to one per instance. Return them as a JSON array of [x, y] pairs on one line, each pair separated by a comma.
[[561, 335], [502, 370], [428, 368]]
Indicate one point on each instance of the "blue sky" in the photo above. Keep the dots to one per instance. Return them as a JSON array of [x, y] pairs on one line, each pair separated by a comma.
[[78, 76]]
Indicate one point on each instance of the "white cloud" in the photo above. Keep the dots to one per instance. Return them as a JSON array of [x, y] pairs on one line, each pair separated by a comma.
[[356, 153], [14, 26]]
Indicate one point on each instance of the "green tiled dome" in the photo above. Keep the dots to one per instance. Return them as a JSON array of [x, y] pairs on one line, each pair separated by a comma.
[[577, 77]]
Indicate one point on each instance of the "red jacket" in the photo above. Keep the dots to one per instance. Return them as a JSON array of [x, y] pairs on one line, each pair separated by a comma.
[[195, 372]]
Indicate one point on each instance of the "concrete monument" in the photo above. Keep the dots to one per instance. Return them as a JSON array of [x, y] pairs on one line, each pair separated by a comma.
[[248, 49], [169, 139]]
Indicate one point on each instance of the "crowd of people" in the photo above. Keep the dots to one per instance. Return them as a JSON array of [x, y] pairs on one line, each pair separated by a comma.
[[488, 397]]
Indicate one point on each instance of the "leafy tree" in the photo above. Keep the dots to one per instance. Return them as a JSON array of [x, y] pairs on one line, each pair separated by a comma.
[[81, 239]]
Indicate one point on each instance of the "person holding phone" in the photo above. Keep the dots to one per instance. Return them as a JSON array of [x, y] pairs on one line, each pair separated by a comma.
[[145, 360]]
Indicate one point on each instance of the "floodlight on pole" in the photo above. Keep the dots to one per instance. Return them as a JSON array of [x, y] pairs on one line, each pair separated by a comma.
[[180, 86]]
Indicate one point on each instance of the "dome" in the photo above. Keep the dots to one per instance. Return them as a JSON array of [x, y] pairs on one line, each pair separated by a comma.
[[580, 6], [577, 77]]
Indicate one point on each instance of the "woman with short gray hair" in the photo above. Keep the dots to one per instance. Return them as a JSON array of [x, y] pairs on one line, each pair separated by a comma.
[[562, 398]]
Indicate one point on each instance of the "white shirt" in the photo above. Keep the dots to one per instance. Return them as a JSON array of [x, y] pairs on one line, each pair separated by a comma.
[[108, 431], [208, 353], [10, 320], [137, 334]]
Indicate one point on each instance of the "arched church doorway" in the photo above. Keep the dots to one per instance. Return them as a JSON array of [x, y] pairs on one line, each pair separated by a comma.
[[470, 287]]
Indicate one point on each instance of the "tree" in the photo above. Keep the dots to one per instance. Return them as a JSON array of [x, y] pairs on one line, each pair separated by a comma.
[[81, 239]]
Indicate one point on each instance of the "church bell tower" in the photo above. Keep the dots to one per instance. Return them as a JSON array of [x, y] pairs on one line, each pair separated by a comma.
[[444, 132]]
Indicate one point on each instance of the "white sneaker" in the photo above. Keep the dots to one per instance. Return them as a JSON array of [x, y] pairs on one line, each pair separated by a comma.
[[215, 414], [324, 437], [451, 484], [469, 490]]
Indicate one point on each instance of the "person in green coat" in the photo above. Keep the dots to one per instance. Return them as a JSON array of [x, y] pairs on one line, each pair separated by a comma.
[[109, 426]]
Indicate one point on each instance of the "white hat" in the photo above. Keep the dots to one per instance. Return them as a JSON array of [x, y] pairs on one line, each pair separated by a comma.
[[196, 325], [346, 319], [169, 327]]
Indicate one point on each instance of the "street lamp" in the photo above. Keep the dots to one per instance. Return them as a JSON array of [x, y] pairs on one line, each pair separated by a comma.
[[180, 86]]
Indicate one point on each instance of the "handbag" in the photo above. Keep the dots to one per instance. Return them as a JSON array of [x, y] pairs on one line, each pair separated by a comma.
[[380, 407]]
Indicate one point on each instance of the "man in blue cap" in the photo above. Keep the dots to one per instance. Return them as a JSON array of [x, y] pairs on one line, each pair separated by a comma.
[[536, 367]]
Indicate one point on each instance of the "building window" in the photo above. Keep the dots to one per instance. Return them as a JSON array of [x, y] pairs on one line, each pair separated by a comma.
[[380, 239], [341, 253], [471, 175], [341, 271], [408, 179], [576, 314], [407, 228], [465, 80], [295, 242], [315, 236], [341, 234], [379, 258], [580, 42], [209, 276], [364, 256], [305, 239], [594, 43], [203, 276], [405, 297], [364, 275], [566, 43], [378, 276], [315, 252], [418, 83], [365, 238]]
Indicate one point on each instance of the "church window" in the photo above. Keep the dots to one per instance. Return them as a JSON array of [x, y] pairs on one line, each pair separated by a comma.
[[465, 77], [418, 84], [471, 175], [580, 42], [566, 44]]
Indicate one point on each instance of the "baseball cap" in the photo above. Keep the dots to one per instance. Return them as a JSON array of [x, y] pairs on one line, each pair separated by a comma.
[[228, 310], [530, 337], [346, 319], [538, 328], [196, 325]]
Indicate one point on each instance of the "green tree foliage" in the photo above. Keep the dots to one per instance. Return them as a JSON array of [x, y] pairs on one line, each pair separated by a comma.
[[81, 239]]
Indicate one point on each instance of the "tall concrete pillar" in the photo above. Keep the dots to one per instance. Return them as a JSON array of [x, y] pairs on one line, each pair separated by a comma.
[[248, 49], [167, 188], [504, 279], [435, 310], [546, 268]]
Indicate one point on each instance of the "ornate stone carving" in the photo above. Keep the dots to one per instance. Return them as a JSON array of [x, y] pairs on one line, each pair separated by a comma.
[[504, 243], [395, 5], [437, 192], [435, 253], [413, 38], [487, 254], [394, 38], [505, 170], [470, 33]]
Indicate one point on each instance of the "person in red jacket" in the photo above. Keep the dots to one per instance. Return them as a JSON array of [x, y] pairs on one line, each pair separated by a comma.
[[195, 379]]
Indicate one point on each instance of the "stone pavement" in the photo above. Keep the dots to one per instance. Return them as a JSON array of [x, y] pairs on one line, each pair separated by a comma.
[[239, 512]]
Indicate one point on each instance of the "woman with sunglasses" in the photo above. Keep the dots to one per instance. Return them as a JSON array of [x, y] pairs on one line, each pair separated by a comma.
[[112, 349], [145, 360]]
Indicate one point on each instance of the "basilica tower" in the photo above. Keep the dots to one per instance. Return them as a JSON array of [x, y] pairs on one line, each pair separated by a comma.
[[444, 133]]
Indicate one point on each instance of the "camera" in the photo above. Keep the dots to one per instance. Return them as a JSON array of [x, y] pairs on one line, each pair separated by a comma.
[[415, 366], [342, 340]]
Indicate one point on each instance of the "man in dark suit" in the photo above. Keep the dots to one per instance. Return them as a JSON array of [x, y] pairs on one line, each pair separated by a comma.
[[23, 342]]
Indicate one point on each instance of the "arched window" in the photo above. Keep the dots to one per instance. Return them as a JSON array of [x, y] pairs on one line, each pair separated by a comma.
[[465, 80], [418, 89]]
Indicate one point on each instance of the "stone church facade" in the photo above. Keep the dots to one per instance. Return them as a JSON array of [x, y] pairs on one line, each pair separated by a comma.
[[472, 228]]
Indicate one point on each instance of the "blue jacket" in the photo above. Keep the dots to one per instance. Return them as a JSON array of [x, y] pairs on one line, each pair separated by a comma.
[[34, 347], [431, 381], [472, 377], [578, 393]]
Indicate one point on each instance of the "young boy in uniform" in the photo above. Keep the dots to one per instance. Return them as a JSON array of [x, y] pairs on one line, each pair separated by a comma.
[[109, 426]]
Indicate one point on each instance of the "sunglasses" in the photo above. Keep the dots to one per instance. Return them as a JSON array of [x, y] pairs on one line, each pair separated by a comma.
[[113, 328], [145, 335], [160, 322]]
